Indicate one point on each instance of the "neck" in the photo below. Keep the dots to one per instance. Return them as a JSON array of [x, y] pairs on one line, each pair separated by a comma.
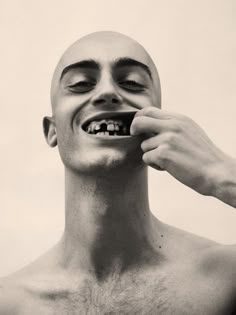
[[108, 221]]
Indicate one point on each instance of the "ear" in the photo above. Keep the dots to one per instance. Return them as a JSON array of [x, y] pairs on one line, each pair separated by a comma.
[[49, 130]]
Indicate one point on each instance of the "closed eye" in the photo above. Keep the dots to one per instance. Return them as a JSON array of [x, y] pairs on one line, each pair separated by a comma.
[[82, 86], [132, 86]]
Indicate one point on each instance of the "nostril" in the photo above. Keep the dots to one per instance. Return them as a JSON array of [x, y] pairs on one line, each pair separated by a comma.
[[115, 100], [107, 99], [100, 101]]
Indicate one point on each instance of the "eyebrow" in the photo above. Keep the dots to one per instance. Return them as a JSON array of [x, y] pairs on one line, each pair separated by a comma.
[[129, 62], [84, 64], [94, 65]]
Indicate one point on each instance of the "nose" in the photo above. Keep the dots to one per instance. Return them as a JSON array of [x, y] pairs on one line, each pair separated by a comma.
[[107, 94]]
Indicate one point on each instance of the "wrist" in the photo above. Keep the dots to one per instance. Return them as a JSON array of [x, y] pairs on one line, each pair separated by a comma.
[[223, 180]]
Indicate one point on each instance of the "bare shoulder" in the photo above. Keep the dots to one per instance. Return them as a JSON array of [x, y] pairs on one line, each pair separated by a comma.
[[217, 266], [208, 257], [10, 297], [13, 291], [19, 287], [182, 244], [221, 260]]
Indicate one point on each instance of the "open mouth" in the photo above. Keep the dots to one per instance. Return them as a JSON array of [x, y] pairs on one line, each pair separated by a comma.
[[110, 124]]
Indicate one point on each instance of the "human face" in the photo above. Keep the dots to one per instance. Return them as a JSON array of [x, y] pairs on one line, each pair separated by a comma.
[[102, 77]]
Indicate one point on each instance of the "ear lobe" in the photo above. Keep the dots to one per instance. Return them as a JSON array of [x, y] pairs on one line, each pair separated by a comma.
[[49, 130]]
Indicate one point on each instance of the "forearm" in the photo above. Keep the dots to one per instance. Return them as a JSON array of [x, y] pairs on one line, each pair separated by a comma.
[[224, 187]]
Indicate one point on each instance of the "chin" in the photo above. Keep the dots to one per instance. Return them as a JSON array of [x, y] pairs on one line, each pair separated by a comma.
[[100, 163]]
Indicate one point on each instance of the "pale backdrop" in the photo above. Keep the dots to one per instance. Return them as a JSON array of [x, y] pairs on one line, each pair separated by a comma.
[[194, 46]]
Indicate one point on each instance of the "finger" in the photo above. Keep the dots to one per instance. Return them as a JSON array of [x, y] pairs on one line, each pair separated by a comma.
[[155, 112], [153, 142], [143, 124], [156, 167], [151, 159]]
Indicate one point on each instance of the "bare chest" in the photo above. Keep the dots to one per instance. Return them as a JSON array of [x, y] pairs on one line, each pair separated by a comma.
[[135, 295]]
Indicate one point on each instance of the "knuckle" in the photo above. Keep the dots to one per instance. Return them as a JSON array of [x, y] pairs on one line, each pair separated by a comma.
[[185, 120], [162, 154], [179, 116], [175, 126], [149, 111], [178, 125], [171, 138]]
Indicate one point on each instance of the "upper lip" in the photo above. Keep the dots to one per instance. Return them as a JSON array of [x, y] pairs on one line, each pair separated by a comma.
[[107, 115]]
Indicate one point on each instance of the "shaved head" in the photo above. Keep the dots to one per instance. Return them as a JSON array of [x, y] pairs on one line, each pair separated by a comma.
[[103, 72], [108, 46]]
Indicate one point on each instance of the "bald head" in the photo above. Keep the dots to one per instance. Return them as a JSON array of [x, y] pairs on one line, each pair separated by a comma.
[[104, 47]]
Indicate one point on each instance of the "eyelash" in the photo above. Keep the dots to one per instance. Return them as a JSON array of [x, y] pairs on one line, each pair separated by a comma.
[[132, 86], [86, 86]]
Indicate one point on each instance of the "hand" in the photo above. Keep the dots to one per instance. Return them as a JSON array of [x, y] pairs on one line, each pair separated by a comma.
[[175, 143]]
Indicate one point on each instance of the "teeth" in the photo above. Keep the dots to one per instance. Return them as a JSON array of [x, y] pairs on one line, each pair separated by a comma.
[[107, 127], [110, 127], [91, 127], [105, 133], [102, 133]]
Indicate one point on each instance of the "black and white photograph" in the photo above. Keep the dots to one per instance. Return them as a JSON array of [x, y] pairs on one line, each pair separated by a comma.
[[118, 157]]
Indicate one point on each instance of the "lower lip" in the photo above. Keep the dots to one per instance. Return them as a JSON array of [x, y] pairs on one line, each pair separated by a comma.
[[107, 137]]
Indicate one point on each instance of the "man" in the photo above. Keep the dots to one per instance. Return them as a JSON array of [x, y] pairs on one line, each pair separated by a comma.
[[115, 257]]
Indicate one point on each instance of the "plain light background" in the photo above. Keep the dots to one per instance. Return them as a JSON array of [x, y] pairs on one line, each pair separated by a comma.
[[194, 46]]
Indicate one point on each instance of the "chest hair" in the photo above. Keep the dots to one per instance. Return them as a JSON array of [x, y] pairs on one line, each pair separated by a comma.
[[132, 295]]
